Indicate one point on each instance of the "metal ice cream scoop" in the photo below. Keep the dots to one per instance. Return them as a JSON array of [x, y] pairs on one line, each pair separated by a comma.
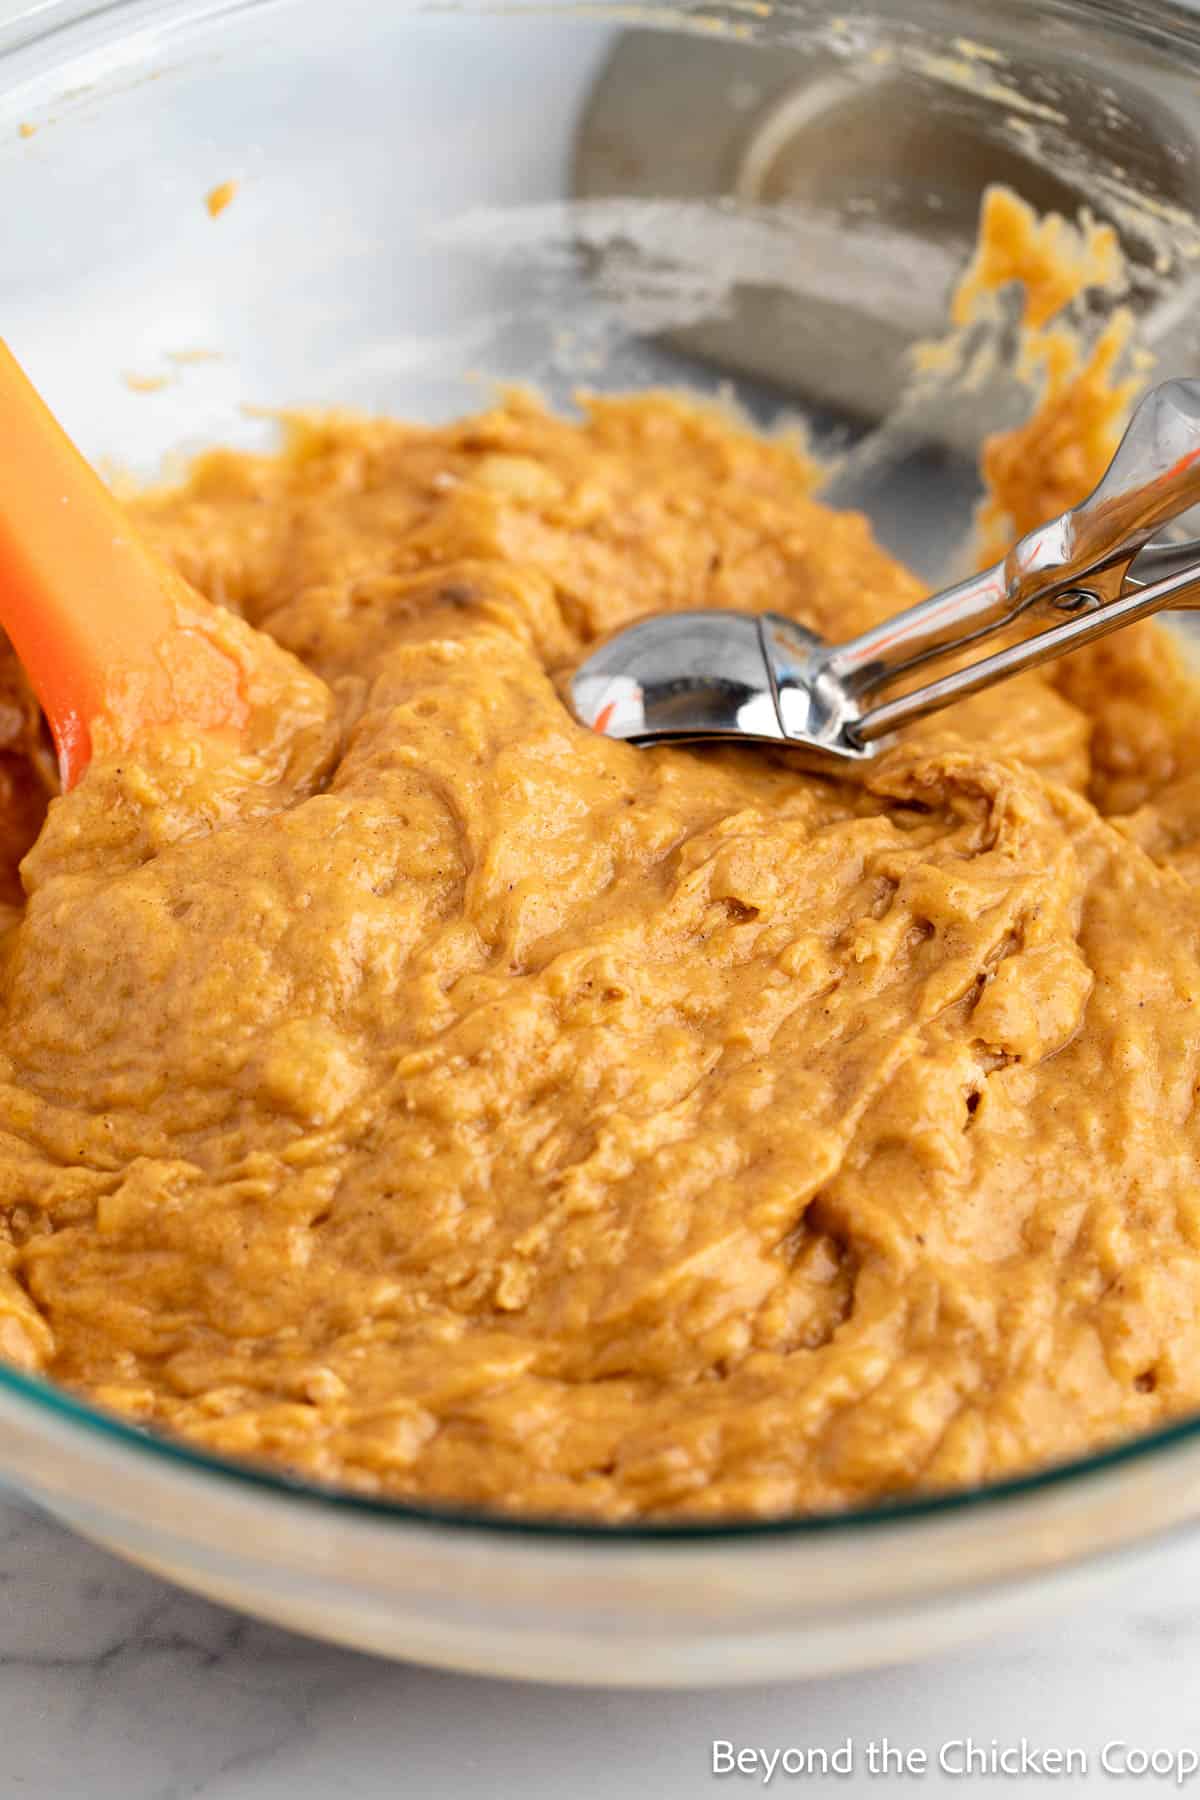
[[728, 677]]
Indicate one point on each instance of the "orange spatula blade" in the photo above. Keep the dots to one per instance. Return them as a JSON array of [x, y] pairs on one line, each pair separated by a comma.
[[93, 615]]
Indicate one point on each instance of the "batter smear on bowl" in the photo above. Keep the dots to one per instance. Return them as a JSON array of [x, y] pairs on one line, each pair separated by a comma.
[[434, 1097]]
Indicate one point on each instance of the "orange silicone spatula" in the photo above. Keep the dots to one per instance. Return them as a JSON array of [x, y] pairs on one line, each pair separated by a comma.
[[112, 640]]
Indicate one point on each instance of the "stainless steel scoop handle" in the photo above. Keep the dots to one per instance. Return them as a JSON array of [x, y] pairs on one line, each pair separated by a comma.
[[1154, 476], [1171, 557], [715, 676], [1141, 600]]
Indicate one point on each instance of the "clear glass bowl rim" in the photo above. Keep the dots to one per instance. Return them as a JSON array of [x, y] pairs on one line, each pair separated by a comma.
[[1163, 23]]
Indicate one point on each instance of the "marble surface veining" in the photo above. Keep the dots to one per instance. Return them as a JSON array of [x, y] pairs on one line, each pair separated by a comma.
[[114, 1686]]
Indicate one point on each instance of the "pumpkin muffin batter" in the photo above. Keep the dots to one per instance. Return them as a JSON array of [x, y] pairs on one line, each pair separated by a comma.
[[442, 1100]]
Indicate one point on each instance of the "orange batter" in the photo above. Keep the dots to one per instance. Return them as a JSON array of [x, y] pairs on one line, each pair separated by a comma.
[[451, 1103]]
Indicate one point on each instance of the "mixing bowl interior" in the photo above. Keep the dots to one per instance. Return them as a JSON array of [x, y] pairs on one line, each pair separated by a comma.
[[770, 203], [425, 203]]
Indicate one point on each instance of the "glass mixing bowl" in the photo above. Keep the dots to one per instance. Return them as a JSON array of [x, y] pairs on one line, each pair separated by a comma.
[[775, 198]]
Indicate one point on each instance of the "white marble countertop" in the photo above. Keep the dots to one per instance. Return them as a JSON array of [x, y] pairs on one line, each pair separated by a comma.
[[114, 1686]]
